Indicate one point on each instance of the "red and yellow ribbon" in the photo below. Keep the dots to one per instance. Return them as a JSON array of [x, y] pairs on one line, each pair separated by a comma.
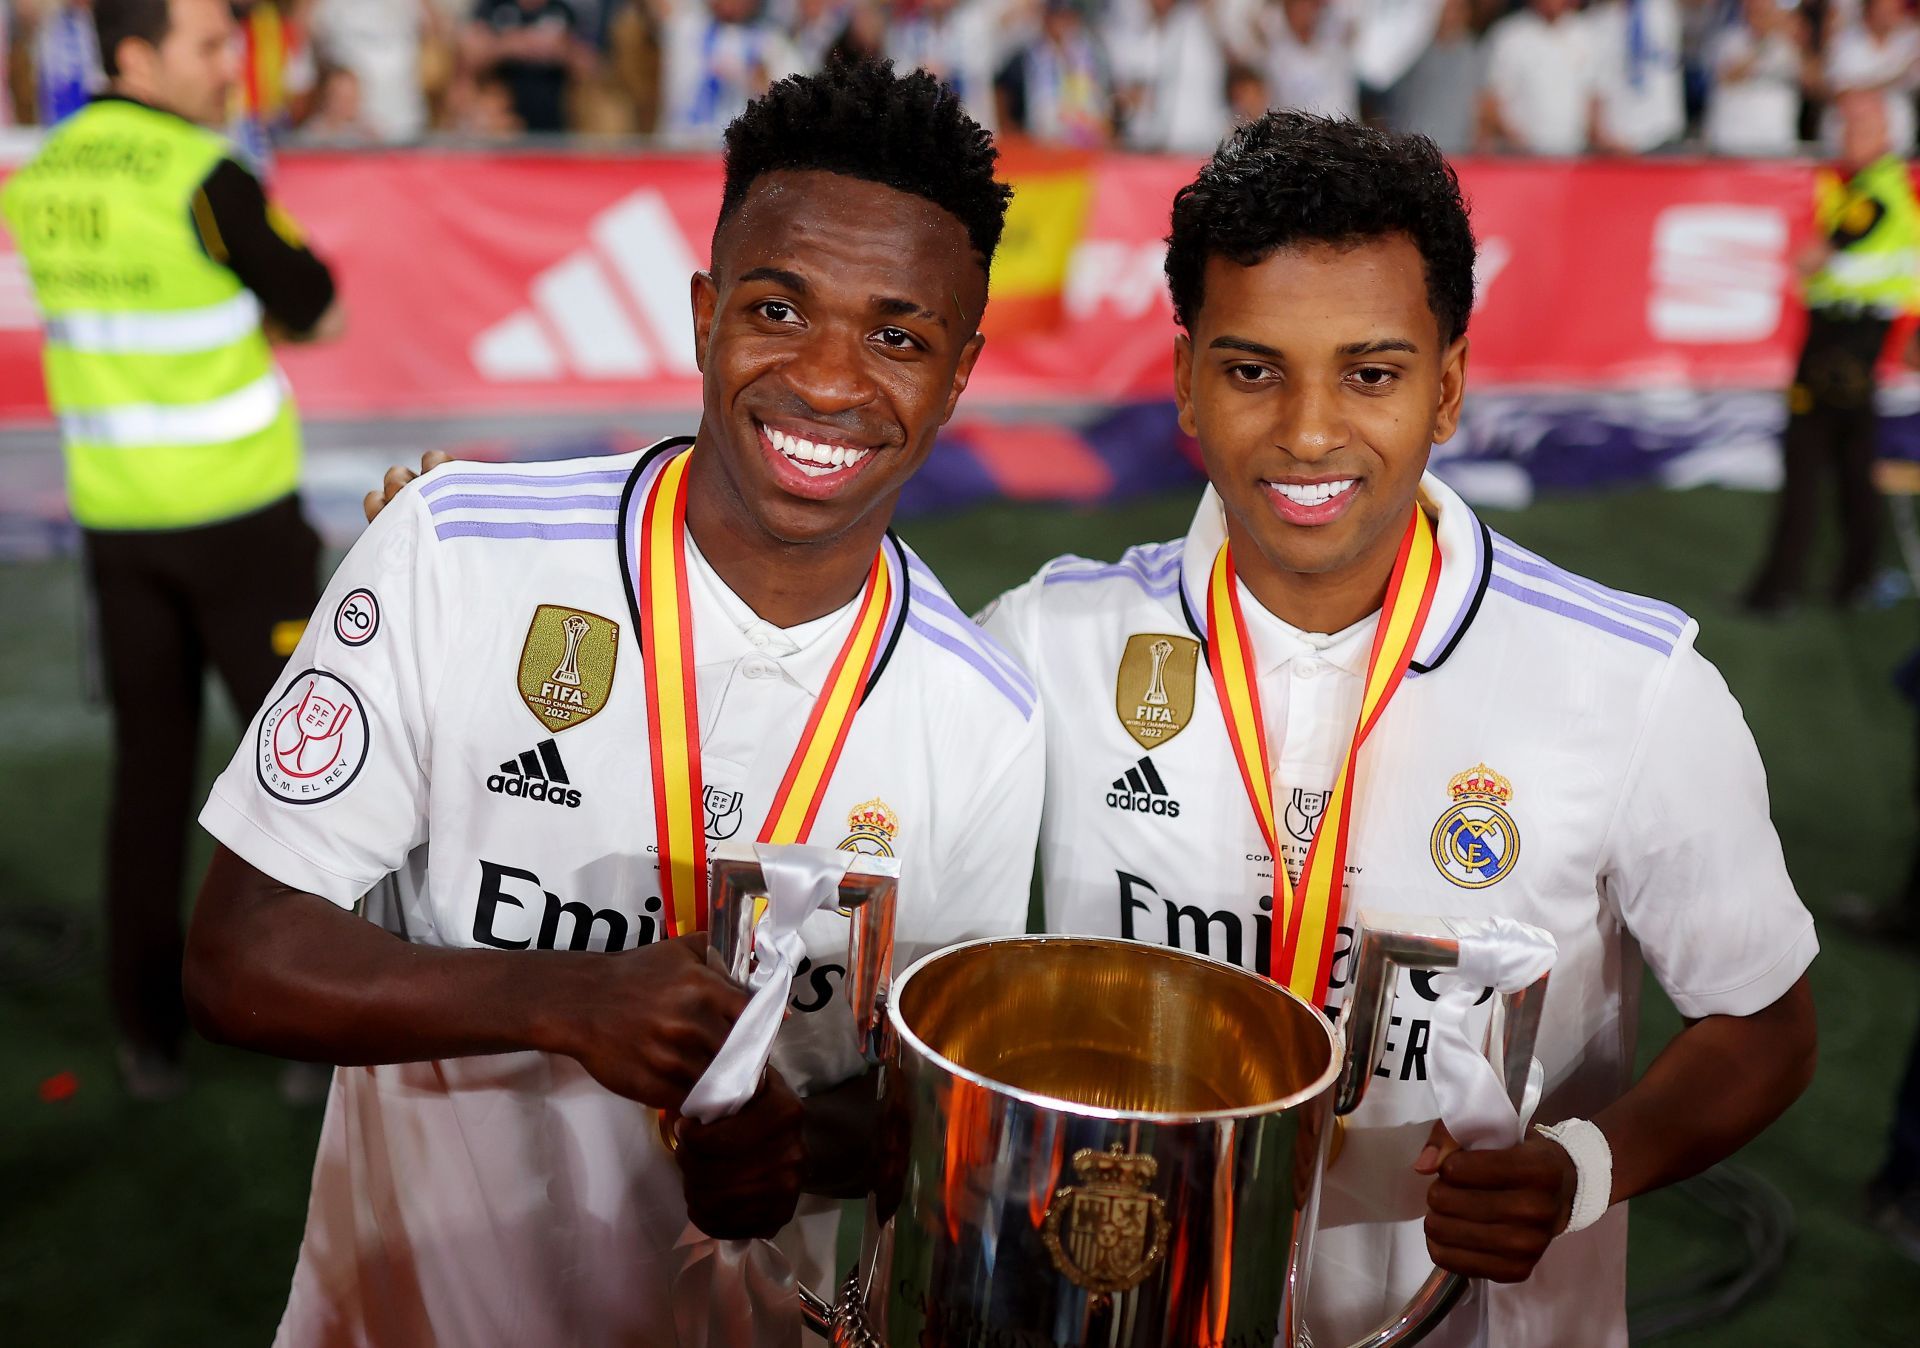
[[673, 713], [1307, 915]]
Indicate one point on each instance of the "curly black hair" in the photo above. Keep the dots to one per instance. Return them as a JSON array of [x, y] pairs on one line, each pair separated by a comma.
[[858, 118], [1292, 178]]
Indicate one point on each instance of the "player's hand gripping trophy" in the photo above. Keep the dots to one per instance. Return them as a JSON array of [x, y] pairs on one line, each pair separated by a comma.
[[1118, 1144]]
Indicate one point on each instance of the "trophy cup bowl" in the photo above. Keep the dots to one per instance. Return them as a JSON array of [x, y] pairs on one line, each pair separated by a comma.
[[1120, 1144]]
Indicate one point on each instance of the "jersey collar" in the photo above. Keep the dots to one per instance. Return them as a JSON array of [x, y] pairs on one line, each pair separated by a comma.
[[721, 639], [1465, 557]]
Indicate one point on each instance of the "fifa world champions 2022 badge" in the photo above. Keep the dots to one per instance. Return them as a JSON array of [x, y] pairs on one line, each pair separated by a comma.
[[313, 739], [566, 665], [1153, 691], [1476, 841]]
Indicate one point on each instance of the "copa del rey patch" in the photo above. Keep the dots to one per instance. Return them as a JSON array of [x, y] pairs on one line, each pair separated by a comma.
[[566, 665], [313, 739]]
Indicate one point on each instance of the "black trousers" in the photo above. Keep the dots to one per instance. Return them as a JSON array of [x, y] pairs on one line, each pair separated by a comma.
[[1832, 431], [167, 605]]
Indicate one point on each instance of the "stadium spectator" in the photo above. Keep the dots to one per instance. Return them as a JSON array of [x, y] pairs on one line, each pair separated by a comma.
[[964, 44], [716, 56], [1877, 52], [1438, 96], [1057, 89], [1541, 77], [277, 77], [378, 43], [339, 109], [864, 38], [534, 48], [1247, 99], [813, 27], [1759, 63], [1640, 101], [1170, 75], [1309, 56], [66, 60]]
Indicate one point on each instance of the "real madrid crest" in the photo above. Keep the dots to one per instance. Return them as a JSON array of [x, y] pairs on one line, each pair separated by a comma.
[[872, 825], [1476, 842], [1154, 691], [1107, 1233], [566, 665]]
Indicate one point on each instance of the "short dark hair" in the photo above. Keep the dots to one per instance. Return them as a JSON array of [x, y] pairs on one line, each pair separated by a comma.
[[1292, 178], [117, 20], [858, 118]]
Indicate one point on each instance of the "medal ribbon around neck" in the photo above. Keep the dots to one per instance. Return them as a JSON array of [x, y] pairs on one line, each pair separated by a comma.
[[673, 713], [1307, 915]]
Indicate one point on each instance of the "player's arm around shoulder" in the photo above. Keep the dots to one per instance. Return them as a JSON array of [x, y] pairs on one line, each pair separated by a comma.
[[329, 792], [1692, 865]]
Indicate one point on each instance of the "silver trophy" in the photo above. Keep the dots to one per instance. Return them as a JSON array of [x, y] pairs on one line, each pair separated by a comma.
[[1118, 1144], [736, 902]]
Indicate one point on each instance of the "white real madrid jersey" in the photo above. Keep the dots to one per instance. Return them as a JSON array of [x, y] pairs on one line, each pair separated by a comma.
[[1559, 754], [468, 710]]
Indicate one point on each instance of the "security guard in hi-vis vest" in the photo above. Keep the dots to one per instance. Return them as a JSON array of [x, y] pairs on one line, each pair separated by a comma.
[[1860, 275], [164, 276]]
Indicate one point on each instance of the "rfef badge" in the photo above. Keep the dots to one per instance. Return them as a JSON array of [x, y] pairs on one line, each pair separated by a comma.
[[1154, 691], [566, 665]]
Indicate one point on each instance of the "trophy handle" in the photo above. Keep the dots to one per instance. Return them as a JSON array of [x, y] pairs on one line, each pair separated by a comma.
[[867, 897], [1386, 943]]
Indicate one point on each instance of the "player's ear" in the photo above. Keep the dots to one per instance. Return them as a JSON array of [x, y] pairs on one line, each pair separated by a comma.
[[1183, 382], [706, 297], [962, 372], [1453, 388]]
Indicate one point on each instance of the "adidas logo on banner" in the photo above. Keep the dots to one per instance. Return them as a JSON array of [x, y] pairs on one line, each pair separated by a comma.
[[615, 308], [1140, 790], [537, 774]]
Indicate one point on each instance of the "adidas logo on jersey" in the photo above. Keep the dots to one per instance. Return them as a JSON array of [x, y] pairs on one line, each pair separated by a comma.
[[1140, 790], [537, 774]]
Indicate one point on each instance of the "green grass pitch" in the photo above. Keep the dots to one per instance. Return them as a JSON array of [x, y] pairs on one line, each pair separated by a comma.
[[178, 1224]]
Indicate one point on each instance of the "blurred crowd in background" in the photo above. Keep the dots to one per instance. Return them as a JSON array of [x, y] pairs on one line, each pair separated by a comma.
[[1550, 77]]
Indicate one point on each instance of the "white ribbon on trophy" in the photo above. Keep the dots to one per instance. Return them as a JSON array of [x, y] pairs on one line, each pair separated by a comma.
[[740, 1293], [1506, 956]]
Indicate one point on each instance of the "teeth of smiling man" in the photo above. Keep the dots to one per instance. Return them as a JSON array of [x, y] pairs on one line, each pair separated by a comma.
[[1314, 493], [815, 459]]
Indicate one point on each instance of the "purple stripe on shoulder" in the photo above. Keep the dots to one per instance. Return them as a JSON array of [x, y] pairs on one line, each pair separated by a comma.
[[940, 606], [472, 501], [1159, 587], [1655, 611], [1567, 609], [593, 477], [1553, 575], [522, 529], [975, 657]]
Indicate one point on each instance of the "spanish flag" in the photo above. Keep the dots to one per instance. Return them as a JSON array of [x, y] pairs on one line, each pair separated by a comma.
[[1052, 193]]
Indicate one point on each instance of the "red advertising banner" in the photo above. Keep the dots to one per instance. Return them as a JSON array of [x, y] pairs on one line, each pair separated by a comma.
[[493, 283]]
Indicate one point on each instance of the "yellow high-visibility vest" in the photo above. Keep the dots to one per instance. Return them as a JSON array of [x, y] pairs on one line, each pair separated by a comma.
[[171, 407]]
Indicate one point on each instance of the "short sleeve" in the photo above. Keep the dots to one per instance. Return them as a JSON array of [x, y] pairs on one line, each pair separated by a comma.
[[328, 791], [986, 878], [1691, 861], [1011, 620]]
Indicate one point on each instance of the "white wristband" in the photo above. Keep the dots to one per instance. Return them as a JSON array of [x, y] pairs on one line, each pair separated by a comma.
[[1592, 1167]]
